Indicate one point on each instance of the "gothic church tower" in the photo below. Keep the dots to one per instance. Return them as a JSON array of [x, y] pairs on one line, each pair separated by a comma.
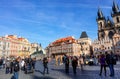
[[106, 27]]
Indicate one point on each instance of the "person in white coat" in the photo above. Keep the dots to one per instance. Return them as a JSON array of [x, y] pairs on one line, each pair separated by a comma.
[[22, 64], [81, 62]]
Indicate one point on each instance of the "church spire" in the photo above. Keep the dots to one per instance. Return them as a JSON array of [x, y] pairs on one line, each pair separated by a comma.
[[115, 8], [109, 22], [100, 14]]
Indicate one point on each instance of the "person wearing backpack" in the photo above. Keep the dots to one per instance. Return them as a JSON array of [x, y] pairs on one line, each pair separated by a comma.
[[16, 68]]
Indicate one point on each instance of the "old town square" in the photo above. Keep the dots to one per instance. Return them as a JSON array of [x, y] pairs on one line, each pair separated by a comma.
[[60, 39]]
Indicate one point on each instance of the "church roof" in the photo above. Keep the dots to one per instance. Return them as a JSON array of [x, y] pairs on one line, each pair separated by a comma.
[[84, 35]]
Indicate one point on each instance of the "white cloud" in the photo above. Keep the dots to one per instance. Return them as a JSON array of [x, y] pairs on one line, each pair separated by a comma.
[[106, 7]]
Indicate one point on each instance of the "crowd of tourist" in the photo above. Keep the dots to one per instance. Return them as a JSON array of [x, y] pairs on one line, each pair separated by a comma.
[[107, 59], [75, 62], [13, 65]]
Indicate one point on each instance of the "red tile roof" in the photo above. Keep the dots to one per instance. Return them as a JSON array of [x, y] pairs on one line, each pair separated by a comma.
[[66, 39]]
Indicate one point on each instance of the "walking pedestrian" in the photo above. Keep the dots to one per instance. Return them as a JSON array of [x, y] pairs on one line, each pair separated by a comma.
[[1, 63], [67, 64], [74, 64], [81, 62], [84, 57], [11, 67], [4, 62], [102, 64], [45, 65], [16, 68], [7, 66], [22, 65], [110, 61], [33, 63]]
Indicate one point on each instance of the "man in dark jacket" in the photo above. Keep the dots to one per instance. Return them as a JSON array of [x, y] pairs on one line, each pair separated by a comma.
[[16, 68], [11, 66], [110, 62], [74, 64], [45, 64], [67, 64]]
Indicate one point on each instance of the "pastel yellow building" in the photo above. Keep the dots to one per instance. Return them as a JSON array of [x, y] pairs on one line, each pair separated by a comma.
[[11, 45]]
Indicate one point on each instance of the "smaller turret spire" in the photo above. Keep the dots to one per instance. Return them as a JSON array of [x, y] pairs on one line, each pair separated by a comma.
[[100, 14], [115, 7], [109, 22], [108, 19]]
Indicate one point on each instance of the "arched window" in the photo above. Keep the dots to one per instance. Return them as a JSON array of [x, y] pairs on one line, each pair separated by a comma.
[[110, 34], [117, 19], [102, 35], [100, 24]]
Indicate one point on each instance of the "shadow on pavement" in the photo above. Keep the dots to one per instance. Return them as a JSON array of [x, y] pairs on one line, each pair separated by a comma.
[[60, 70], [42, 77], [39, 71]]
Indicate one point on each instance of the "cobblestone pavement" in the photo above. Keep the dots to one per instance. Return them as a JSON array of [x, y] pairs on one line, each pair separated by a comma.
[[58, 72]]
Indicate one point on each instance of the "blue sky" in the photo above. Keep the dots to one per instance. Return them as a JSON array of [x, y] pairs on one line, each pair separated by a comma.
[[44, 21]]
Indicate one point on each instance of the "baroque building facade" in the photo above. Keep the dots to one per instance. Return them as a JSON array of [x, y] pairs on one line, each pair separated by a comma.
[[13, 46], [69, 46], [59, 47], [107, 30]]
